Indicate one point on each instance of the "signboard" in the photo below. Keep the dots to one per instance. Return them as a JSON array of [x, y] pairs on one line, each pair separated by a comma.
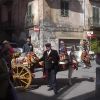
[[90, 34]]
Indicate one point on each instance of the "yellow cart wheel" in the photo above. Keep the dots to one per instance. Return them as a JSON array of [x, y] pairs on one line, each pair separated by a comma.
[[22, 76]]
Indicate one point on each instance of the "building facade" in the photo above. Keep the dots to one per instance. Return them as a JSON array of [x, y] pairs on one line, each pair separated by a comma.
[[50, 20]]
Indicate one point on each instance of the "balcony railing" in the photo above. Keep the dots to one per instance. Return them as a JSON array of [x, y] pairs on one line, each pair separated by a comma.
[[94, 22], [29, 21]]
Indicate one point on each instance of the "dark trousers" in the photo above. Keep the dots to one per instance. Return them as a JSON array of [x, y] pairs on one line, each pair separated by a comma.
[[52, 78]]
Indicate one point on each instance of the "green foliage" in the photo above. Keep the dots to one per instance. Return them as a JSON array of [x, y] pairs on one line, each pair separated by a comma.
[[98, 47], [95, 45]]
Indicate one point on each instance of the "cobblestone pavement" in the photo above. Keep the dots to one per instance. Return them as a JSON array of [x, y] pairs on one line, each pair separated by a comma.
[[83, 87]]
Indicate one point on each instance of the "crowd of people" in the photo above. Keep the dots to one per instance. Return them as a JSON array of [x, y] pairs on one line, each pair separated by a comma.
[[53, 62]]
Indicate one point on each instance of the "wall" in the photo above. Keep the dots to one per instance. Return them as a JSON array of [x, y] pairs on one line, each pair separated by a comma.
[[76, 12], [72, 25]]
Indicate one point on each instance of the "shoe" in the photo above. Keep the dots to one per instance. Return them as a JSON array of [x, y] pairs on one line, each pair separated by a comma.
[[50, 89]]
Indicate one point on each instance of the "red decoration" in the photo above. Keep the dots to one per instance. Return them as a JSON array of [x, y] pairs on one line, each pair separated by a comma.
[[36, 28]]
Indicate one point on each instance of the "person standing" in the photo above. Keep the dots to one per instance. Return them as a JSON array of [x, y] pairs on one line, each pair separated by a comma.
[[64, 57], [28, 47], [73, 59], [86, 59], [51, 59], [8, 52], [62, 47], [85, 45], [4, 78], [73, 64], [7, 91]]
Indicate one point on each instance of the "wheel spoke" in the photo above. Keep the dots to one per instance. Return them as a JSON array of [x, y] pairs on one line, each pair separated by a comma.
[[14, 72], [24, 74], [24, 78], [21, 71], [17, 71], [20, 83], [23, 81]]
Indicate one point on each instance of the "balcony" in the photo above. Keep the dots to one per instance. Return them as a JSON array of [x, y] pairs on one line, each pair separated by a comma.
[[29, 21], [94, 22]]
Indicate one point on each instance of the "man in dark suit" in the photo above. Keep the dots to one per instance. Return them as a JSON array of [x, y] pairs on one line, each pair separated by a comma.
[[51, 59]]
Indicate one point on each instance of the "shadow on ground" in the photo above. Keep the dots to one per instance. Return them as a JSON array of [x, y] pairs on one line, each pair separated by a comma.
[[35, 96], [62, 82], [62, 88]]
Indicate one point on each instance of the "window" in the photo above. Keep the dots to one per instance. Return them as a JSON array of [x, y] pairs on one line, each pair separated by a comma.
[[64, 8], [29, 12], [96, 15], [29, 18]]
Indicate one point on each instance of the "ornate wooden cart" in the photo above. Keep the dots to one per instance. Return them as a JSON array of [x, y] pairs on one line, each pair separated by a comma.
[[21, 69]]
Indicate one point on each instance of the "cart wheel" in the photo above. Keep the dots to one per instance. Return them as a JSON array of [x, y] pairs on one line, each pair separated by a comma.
[[22, 77]]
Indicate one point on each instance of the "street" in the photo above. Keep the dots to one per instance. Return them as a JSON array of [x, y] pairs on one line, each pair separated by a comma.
[[37, 33], [83, 87]]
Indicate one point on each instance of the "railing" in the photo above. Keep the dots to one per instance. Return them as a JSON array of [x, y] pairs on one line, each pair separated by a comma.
[[94, 22], [29, 21]]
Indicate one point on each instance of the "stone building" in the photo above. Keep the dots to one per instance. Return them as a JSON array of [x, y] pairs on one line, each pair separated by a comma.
[[49, 21]]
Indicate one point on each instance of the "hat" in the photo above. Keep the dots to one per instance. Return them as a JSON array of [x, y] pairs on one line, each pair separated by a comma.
[[5, 42], [48, 45]]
